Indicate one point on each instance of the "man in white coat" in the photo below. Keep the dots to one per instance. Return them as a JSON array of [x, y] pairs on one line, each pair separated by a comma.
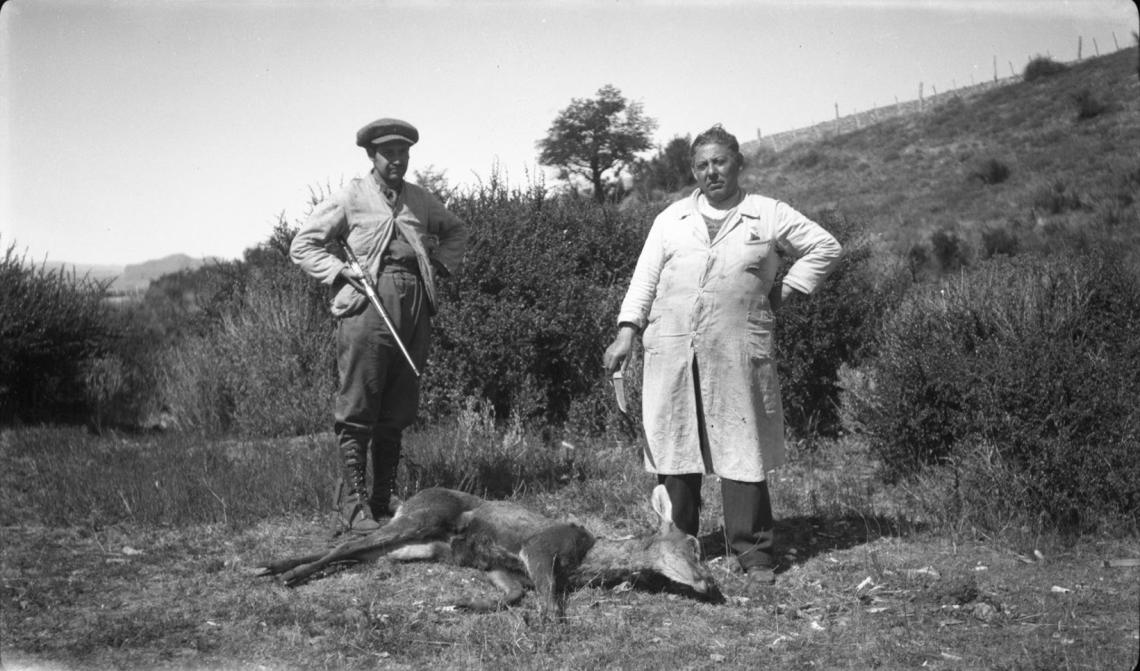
[[703, 297]]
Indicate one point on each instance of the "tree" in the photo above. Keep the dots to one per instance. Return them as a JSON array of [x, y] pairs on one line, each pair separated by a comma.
[[595, 135], [669, 169]]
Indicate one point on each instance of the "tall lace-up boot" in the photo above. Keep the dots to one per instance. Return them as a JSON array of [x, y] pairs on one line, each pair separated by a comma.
[[385, 463], [355, 513]]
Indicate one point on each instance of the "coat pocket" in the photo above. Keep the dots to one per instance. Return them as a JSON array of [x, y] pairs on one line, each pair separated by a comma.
[[754, 257]]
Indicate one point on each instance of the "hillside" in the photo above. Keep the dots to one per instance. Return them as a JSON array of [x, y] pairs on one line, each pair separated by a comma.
[[943, 170], [132, 277], [138, 276]]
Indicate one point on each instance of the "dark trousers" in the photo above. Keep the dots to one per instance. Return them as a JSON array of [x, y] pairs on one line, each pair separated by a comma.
[[749, 528], [379, 394]]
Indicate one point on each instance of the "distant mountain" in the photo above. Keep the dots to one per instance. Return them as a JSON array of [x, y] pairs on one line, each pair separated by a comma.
[[133, 277], [137, 277], [94, 271]]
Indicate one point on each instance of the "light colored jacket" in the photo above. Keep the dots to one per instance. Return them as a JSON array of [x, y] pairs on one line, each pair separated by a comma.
[[708, 302], [360, 214]]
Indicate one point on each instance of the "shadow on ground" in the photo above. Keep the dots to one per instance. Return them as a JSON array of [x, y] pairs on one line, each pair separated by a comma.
[[798, 539]]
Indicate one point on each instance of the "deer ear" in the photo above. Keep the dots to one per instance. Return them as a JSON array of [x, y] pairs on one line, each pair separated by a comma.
[[662, 505]]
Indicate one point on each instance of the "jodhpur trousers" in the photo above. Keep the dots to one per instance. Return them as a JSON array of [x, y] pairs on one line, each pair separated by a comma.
[[379, 393]]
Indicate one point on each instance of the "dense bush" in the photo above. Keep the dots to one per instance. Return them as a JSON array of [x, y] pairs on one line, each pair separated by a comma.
[[837, 325], [521, 328], [667, 171], [1042, 67], [990, 171], [1034, 357], [1000, 239], [524, 325], [950, 250], [1055, 197], [53, 324], [1088, 105], [261, 361]]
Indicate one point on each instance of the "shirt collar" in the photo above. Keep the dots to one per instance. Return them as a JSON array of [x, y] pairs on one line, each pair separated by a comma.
[[382, 185], [747, 207]]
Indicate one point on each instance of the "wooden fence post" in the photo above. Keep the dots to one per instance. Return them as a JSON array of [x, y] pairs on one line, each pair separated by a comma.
[[1096, 47], [1079, 47]]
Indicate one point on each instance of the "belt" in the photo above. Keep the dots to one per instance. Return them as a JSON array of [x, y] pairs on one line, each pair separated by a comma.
[[405, 264]]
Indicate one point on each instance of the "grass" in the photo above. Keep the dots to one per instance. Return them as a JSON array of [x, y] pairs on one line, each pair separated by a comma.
[[864, 585], [1075, 129]]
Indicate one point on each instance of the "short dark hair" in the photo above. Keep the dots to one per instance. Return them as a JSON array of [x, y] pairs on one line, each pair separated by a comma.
[[715, 135]]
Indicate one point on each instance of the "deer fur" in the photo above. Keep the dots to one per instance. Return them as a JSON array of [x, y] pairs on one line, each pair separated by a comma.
[[517, 548]]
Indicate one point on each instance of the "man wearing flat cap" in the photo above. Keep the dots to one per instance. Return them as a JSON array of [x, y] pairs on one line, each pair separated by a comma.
[[404, 238]]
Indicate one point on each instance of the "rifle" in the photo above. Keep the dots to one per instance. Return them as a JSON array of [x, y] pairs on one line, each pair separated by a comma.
[[370, 291]]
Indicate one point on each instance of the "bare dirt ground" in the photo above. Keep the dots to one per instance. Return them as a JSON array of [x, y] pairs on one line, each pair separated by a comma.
[[853, 597]]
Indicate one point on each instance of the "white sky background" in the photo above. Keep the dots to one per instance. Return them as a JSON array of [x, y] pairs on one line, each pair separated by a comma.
[[134, 129]]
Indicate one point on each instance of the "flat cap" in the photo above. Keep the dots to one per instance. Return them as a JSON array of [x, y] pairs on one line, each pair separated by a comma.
[[387, 130]]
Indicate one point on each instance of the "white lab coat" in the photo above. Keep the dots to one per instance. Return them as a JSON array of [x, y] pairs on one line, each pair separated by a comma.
[[707, 302]]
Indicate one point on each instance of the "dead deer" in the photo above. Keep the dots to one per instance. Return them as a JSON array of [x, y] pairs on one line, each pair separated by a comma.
[[517, 548]]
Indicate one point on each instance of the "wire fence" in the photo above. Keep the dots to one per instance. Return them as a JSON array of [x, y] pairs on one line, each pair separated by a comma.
[[924, 103]]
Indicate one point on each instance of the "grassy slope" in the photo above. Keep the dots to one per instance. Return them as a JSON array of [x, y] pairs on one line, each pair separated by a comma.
[[914, 172]]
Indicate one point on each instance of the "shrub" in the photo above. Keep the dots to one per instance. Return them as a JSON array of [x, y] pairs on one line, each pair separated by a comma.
[[668, 170], [52, 323], [1055, 198], [1088, 105], [808, 160], [950, 251], [1042, 67], [524, 325], [999, 240], [1034, 356], [990, 171], [259, 357], [836, 326]]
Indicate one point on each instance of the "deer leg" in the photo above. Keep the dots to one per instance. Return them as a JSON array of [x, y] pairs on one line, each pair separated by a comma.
[[399, 532], [550, 556], [431, 551], [283, 565], [364, 550], [511, 588]]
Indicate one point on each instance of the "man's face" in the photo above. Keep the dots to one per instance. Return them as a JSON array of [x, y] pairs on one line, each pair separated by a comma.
[[717, 170], [391, 162]]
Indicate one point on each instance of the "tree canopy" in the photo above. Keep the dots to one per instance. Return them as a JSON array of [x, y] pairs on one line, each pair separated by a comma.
[[593, 135]]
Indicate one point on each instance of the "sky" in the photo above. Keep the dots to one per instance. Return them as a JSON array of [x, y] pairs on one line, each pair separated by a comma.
[[132, 129]]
